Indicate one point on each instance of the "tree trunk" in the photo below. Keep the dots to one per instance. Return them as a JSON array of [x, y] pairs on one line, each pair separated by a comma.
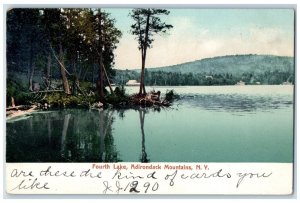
[[100, 71], [63, 72], [101, 82], [84, 75], [109, 84], [142, 73], [31, 68], [144, 53], [75, 78], [48, 71], [13, 102], [142, 80], [31, 78]]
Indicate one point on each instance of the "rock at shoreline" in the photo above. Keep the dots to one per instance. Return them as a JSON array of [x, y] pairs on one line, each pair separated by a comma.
[[97, 105]]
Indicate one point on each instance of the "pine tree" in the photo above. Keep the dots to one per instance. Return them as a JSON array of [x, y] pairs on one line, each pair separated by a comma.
[[147, 23]]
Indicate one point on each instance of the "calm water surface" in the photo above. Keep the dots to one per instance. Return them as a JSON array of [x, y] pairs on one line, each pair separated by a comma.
[[207, 124]]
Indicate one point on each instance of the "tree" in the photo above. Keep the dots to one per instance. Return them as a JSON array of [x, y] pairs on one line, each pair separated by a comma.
[[102, 36], [74, 40], [55, 27], [74, 45], [23, 40], [147, 23]]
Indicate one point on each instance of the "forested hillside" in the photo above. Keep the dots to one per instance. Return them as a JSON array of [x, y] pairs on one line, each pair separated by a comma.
[[225, 70]]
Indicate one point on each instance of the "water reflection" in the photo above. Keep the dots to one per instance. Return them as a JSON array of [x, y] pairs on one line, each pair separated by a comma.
[[191, 132], [63, 136], [142, 113], [69, 136], [237, 102]]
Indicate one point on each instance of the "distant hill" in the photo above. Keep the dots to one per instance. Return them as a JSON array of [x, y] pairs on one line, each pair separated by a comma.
[[233, 64], [223, 70]]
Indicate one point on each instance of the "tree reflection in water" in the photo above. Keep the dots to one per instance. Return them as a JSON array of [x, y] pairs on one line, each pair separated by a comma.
[[73, 135], [144, 158], [88, 141]]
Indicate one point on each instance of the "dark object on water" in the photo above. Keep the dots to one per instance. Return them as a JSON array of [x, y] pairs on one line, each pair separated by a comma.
[[170, 96]]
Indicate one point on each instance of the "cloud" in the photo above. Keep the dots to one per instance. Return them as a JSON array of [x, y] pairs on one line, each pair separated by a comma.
[[262, 40], [189, 42]]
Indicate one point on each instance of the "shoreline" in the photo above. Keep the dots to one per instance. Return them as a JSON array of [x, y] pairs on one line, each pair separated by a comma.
[[17, 112]]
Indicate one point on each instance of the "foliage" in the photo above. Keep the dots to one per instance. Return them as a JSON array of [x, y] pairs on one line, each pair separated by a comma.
[[171, 96], [24, 39], [59, 100], [34, 34], [18, 92], [147, 23], [88, 87], [119, 98], [120, 91]]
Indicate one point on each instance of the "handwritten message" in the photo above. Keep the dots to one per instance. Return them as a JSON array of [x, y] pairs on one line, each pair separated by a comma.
[[154, 178]]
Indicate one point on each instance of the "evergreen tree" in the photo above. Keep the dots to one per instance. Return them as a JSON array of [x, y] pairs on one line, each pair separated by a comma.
[[147, 23]]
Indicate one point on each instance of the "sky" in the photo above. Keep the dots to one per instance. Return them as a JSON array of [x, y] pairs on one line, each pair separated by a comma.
[[206, 33]]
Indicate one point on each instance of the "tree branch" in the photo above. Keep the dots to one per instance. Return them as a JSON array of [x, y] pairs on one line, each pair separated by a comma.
[[59, 60]]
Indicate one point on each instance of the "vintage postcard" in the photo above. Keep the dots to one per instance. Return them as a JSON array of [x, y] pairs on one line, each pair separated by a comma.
[[150, 100]]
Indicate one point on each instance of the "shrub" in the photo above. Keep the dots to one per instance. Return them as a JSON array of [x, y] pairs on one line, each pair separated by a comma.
[[62, 100], [171, 96], [18, 92]]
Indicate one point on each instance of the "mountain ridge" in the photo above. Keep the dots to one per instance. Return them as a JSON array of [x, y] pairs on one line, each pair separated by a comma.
[[221, 70], [231, 64]]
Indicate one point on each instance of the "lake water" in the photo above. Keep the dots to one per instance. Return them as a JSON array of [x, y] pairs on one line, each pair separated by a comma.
[[207, 124]]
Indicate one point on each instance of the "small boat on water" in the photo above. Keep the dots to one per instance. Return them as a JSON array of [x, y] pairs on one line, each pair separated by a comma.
[[132, 83], [240, 83]]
